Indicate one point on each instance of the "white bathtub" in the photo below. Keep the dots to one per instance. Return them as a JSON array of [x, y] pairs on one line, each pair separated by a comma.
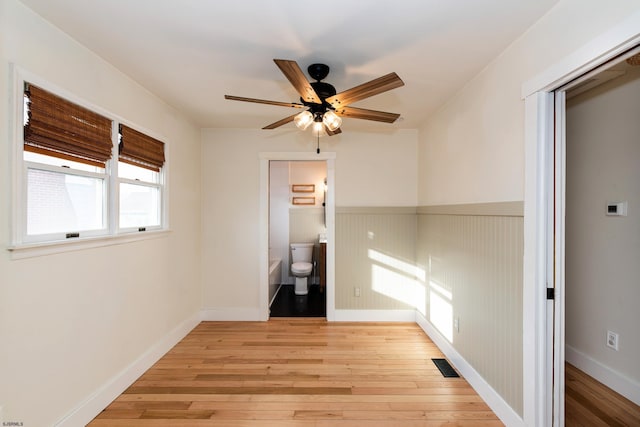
[[275, 277], [275, 272]]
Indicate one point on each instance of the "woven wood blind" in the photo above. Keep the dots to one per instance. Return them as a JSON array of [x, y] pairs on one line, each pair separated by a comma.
[[59, 128], [139, 149]]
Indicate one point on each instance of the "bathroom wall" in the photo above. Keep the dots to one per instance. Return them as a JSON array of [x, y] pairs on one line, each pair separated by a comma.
[[308, 173], [290, 223], [306, 222], [602, 252]]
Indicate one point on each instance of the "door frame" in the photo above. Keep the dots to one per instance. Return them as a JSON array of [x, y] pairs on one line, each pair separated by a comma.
[[265, 158], [543, 395]]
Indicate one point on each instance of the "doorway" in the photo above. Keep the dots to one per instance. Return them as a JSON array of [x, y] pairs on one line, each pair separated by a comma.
[[328, 159], [543, 401], [297, 233], [597, 241]]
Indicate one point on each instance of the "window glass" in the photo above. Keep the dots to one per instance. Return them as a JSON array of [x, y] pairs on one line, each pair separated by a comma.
[[129, 171], [62, 203], [55, 161], [139, 206]]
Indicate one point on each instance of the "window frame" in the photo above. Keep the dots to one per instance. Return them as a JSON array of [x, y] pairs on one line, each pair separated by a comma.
[[158, 185], [61, 236], [23, 245]]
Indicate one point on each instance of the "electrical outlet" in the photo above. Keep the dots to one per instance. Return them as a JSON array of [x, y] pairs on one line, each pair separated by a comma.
[[612, 340], [456, 324], [356, 292]]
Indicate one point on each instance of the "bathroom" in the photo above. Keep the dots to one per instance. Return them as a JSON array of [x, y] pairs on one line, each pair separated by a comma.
[[297, 193]]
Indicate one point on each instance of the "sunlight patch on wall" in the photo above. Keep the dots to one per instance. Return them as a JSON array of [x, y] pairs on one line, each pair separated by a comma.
[[441, 310], [407, 268], [398, 279]]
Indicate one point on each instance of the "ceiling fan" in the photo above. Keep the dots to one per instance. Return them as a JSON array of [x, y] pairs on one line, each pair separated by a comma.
[[323, 106]]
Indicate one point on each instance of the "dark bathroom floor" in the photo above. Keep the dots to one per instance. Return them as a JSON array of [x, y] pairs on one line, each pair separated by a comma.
[[288, 304]]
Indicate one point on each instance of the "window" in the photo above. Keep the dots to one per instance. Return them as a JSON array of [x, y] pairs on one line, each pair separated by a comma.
[[84, 174], [139, 162]]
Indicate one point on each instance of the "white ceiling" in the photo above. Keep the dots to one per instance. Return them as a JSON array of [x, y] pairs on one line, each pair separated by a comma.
[[192, 52]]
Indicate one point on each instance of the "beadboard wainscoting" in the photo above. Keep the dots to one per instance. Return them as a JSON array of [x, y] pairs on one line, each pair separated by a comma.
[[375, 259], [472, 256]]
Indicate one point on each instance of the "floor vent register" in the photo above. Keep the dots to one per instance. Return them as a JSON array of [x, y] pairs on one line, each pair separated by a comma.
[[445, 368]]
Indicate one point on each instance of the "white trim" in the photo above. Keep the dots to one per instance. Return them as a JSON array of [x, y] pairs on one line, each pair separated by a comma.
[[558, 248], [607, 46], [375, 316], [296, 155], [49, 248], [607, 376], [263, 241], [497, 404], [101, 398], [263, 244], [239, 314], [537, 396]]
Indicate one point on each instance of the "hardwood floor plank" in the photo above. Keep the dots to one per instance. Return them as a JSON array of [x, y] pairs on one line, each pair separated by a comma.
[[591, 403], [299, 373]]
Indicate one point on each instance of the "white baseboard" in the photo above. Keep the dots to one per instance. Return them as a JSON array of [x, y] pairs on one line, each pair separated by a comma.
[[375, 316], [497, 404], [607, 376], [231, 314], [87, 410]]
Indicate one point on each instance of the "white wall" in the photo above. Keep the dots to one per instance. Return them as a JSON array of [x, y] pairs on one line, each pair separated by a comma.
[[69, 323], [472, 149], [602, 292], [372, 169]]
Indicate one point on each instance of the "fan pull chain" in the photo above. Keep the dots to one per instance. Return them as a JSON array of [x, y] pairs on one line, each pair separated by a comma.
[[318, 149]]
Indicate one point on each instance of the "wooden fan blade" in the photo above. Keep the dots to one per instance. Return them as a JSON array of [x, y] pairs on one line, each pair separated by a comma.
[[280, 122], [365, 90], [292, 71], [264, 101], [361, 113], [331, 133]]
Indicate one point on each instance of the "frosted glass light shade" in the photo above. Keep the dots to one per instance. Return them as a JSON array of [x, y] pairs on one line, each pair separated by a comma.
[[331, 120], [318, 129], [303, 120]]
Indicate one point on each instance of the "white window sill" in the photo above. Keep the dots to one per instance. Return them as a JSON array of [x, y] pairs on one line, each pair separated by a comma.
[[32, 250]]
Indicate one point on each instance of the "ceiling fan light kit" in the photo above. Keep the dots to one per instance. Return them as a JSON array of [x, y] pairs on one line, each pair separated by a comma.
[[303, 120], [324, 107], [331, 120]]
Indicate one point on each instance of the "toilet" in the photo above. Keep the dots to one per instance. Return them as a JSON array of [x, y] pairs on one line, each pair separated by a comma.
[[301, 265]]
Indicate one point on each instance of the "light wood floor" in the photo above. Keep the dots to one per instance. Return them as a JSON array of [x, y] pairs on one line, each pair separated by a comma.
[[590, 403], [299, 373]]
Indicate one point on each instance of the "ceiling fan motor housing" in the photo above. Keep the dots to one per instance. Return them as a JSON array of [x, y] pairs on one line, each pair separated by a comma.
[[318, 71], [322, 89]]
